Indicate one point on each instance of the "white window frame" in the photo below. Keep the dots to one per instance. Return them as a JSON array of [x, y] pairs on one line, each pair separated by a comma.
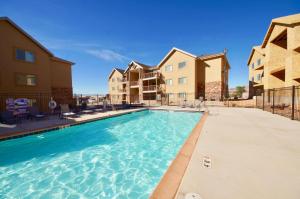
[[168, 68], [259, 62], [181, 66], [182, 95], [170, 82], [185, 78], [28, 56]]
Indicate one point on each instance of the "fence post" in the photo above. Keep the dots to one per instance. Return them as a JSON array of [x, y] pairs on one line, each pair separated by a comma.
[[273, 107], [256, 99], [263, 105], [293, 102]]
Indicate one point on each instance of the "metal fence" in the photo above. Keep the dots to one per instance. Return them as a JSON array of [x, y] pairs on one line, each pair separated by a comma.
[[153, 99], [40, 100], [282, 101]]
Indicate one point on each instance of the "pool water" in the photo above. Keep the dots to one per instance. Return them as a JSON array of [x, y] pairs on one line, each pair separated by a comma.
[[119, 157]]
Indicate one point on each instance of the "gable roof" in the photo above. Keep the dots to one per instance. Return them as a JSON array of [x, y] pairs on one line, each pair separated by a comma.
[[288, 21], [33, 40], [171, 52], [143, 66], [115, 69], [214, 56], [258, 49]]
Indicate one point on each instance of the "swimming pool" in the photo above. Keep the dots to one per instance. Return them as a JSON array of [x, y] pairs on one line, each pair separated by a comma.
[[119, 157]]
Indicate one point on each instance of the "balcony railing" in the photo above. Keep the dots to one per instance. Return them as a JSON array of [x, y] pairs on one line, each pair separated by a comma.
[[134, 83], [150, 88], [150, 75]]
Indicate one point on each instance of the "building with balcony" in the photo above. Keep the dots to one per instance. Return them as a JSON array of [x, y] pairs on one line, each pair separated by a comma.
[[29, 70], [276, 62], [179, 76]]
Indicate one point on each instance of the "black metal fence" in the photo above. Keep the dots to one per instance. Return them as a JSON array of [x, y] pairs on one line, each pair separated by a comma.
[[40, 100], [282, 101], [153, 99]]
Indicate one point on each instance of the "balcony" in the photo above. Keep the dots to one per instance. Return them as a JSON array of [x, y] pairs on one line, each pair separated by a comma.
[[151, 75], [134, 84], [150, 89]]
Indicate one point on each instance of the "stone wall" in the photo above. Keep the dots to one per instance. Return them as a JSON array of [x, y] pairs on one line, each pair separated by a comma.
[[213, 90]]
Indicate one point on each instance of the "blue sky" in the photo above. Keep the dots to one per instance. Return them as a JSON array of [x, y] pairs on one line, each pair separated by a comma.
[[100, 35]]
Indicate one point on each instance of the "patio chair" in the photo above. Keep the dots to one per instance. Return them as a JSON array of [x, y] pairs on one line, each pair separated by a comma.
[[35, 113], [65, 111], [8, 117]]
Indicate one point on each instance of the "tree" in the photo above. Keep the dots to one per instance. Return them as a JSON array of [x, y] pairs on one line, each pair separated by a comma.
[[240, 90]]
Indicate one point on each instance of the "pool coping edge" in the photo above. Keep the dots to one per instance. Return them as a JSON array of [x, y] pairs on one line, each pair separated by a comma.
[[169, 184]]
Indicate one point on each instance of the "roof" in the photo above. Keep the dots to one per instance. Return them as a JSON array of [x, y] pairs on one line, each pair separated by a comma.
[[258, 49], [144, 66], [33, 40], [210, 56], [213, 56], [201, 57], [115, 69], [62, 60], [120, 70], [174, 49], [289, 21]]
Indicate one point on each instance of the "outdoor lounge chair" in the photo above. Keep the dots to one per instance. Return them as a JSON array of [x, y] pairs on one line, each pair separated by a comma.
[[35, 113], [65, 111], [8, 117]]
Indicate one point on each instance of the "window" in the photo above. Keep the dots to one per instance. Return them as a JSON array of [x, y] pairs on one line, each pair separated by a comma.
[[169, 82], [252, 79], [258, 62], [181, 95], [24, 55], [113, 88], [25, 80], [182, 80], [181, 65], [252, 65], [168, 68], [113, 80], [258, 77]]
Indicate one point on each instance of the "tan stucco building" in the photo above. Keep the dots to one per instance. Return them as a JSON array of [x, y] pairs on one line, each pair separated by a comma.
[[275, 63], [179, 76], [29, 70]]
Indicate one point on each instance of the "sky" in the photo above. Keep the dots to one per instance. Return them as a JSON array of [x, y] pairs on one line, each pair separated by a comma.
[[100, 35]]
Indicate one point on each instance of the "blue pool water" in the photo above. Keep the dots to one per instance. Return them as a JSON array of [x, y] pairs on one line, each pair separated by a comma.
[[120, 157]]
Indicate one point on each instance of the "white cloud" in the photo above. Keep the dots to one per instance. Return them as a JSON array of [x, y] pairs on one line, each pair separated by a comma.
[[107, 55]]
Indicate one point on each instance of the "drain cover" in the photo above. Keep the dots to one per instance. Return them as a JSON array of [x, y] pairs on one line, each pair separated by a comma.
[[192, 196], [207, 162]]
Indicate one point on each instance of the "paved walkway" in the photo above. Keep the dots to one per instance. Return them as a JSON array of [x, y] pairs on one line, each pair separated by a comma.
[[254, 154]]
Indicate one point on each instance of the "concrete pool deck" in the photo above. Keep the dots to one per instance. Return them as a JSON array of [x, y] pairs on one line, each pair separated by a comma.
[[28, 127], [253, 154]]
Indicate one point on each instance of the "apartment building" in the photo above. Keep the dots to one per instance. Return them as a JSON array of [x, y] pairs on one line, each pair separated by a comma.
[[179, 77], [29, 70], [275, 63], [116, 87]]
